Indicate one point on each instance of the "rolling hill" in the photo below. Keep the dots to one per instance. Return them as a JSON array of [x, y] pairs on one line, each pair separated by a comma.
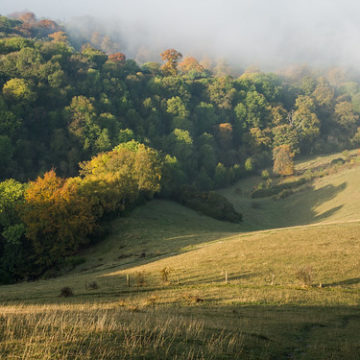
[[169, 283]]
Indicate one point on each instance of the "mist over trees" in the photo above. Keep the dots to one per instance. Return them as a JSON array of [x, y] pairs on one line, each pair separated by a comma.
[[86, 132], [271, 35]]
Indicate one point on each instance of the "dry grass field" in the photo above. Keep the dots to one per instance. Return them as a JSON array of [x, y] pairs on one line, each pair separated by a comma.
[[169, 283]]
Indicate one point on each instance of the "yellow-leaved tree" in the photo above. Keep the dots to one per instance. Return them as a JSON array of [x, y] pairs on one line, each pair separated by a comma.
[[283, 160], [115, 179]]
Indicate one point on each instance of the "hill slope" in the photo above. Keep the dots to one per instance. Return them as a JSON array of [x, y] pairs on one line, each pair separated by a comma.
[[290, 293], [332, 197]]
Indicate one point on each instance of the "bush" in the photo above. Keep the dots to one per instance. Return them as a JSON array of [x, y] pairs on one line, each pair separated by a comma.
[[346, 155], [249, 165], [305, 275], [66, 292], [277, 189], [165, 273], [92, 285], [308, 175], [337, 161], [140, 278], [209, 203], [284, 194], [265, 175]]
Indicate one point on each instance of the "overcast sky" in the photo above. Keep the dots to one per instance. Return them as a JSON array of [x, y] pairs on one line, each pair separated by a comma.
[[261, 32]]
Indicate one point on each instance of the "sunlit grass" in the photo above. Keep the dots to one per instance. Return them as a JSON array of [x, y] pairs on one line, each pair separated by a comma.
[[228, 294]]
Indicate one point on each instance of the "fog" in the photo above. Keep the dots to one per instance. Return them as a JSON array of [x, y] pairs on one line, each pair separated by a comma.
[[269, 34]]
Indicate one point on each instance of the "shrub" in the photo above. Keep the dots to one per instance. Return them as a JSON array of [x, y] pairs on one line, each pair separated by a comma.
[[305, 275], [337, 161], [92, 285], [346, 155], [249, 165], [284, 194], [66, 292], [209, 203], [308, 175], [277, 189], [140, 278], [192, 299], [265, 175], [165, 272]]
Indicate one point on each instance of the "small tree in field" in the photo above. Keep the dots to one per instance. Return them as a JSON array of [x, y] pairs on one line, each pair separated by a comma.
[[283, 160]]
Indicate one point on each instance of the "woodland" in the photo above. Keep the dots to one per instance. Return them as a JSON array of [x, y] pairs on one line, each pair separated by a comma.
[[87, 134]]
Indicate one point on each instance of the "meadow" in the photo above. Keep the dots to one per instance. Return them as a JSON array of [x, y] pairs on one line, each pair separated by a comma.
[[169, 283]]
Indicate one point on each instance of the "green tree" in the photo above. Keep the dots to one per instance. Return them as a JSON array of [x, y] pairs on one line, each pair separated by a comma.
[[82, 122], [115, 179], [6, 154], [14, 262], [103, 142], [180, 144], [305, 120], [177, 109], [221, 176], [345, 115], [205, 117], [173, 176], [96, 57], [257, 110], [221, 93], [18, 91], [203, 181], [11, 196]]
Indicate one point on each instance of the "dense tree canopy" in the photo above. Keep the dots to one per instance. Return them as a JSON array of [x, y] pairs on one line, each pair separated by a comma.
[[137, 129]]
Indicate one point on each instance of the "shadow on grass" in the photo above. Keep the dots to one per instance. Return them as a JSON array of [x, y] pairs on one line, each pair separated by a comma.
[[306, 204], [264, 331], [218, 279], [297, 209], [353, 281]]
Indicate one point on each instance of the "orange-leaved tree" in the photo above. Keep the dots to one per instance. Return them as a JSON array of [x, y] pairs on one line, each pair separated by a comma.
[[117, 57], [171, 58], [58, 36], [58, 219], [189, 63]]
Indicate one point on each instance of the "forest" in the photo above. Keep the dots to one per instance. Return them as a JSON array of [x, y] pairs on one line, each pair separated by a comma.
[[86, 134]]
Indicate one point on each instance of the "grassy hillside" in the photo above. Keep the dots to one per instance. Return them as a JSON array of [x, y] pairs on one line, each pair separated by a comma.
[[332, 197], [291, 293]]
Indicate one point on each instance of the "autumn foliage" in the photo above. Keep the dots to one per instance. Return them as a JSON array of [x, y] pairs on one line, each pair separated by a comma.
[[171, 58], [117, 58], [225, 132], [58, 220], [60, 214], [114, 180], [283, 160], [58, 36], [190, 64]]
